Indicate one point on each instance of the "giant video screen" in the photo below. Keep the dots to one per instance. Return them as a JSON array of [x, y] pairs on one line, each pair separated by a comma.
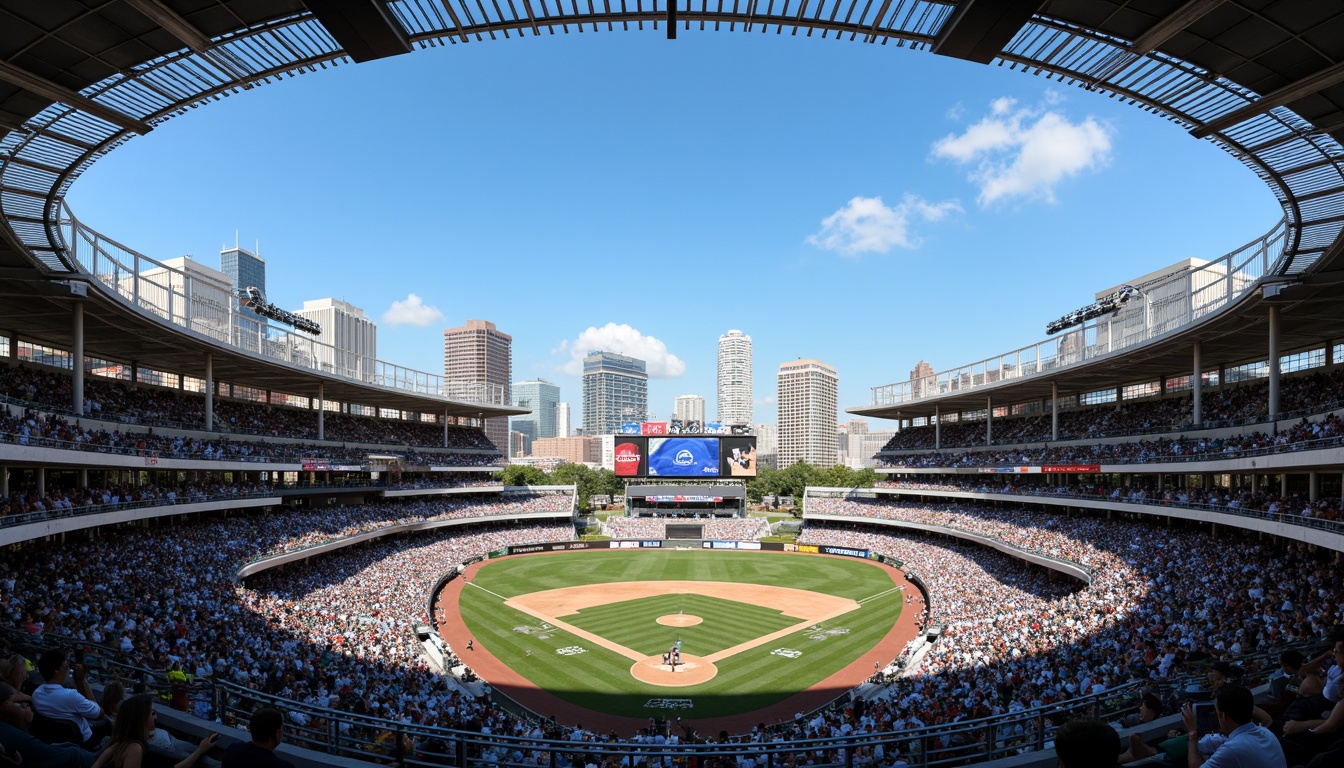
[[631, 456], [738, 456], [683, 457]]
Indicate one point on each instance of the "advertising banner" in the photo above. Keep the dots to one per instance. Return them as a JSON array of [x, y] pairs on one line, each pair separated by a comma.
[[630, 428], [689, 427], [846, 551], [715, 428], [683, 457], [630, 457], [679, 499], [738, 456], [653, 428], [1075, 469]]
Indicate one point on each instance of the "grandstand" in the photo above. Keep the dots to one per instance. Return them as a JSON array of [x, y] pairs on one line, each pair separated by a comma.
[[1092, 516]]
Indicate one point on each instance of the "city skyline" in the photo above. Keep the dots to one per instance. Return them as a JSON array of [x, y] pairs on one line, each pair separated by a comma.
[[855, 243]]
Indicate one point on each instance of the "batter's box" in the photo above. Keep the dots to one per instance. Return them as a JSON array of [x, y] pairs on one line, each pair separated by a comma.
[[669, 704], [787, 653]]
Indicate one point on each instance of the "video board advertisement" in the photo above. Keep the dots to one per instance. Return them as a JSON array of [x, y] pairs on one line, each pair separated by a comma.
[[631, 456], [739, 456], [683, 457]]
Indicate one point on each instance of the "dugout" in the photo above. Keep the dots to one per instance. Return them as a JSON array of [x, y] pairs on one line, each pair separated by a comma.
[[686, 501]]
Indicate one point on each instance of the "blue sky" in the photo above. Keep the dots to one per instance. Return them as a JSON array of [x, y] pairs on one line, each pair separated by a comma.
[[863, 205]]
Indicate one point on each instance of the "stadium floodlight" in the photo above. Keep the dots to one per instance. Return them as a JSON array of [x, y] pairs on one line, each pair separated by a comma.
[[255, 300], [1106, 305]]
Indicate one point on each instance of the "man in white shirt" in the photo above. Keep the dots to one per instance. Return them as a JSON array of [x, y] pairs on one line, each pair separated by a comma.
[[1248, 745], [77, 705]]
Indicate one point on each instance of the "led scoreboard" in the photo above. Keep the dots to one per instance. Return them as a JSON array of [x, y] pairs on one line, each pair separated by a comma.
[[685, 457]]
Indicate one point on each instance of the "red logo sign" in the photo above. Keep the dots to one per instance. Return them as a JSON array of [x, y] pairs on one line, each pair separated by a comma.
[[627, 460], [653, 428]]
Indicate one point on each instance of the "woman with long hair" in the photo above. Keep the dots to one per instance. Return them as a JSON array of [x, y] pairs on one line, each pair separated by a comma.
[[135, 722]]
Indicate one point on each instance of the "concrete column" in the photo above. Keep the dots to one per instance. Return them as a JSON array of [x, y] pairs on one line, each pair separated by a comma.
[[83, 478], [41, 473], [1274, 364], [937, 428], [445, 427], [1283, 484], [135, 372], [1054, 411], [209, 391], [1162, 385], [321, 409], [1255, 483], [1119, 396], [1197, 386], [1222, 376], [989, 421], [77, 358], [1329, 355], [13, 346], [1314, 486], [4, 481]]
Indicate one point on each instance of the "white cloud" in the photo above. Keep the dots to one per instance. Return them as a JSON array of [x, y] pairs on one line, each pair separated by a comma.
[[1020, 152], [623, 340], [868, 225], [411, 311]]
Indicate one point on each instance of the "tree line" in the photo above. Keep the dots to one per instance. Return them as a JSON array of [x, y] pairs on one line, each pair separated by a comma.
[[789, 481]]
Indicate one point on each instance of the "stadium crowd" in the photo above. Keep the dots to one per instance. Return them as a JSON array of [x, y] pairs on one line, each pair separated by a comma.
[[336, 632], [1013, 640], [1304, 434], [1142, 490], [106, 399], [53, 431], [1239, 404], [28, 499]]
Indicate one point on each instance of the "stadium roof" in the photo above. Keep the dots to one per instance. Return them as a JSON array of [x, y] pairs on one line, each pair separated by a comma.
[[1262, 78]]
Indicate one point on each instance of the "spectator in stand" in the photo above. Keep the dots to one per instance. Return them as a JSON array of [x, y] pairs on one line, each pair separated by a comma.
[[77, 705], [1247, 744], [21, 747], [267, 727], [131, 734], [1087, 743]]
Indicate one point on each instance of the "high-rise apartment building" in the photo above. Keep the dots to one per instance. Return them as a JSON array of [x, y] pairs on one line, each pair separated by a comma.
[[208, 290], [542, 397], [690, 408], [615, 391], [807, 400], [562, 420], [247, 270], [477, 359], [922, 382], [352, 336], [767, 445], [734, 389]]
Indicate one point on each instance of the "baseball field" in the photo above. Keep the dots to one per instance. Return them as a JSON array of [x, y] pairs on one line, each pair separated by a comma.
[[702, 634]]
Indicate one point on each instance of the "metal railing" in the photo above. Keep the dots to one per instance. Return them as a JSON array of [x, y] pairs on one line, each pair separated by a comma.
[[1168, 305], [9, 521], [200, 304], [1063, 492]]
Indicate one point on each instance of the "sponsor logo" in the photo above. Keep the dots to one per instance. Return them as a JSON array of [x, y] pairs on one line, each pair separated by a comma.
[[825, 634], [787, 653], [684, 458], [524, 550], [846, 551], [626, 545], [627, 460], [651, 544], [669, 704], [555, 547], [572, 650], [813, 548], [578, 545]]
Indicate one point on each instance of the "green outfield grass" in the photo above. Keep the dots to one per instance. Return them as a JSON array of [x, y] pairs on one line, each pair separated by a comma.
[[600, 679]]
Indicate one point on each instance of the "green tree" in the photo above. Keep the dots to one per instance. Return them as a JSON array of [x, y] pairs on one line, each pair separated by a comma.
[[582, 477], [523, 474]]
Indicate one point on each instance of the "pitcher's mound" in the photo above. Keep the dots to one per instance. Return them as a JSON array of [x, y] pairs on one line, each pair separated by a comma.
[[692, 670], [679, 620]]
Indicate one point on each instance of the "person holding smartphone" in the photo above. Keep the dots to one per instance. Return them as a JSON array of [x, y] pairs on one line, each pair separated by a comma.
[[1248, 745]]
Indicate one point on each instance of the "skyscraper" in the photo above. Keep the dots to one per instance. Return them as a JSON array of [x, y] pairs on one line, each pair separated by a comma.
[[767, 445], [476, 359], [246, 270], [562, 420], [690, 408], [542, 397], [808, 398], [352, 336], [734, 390], [615, 390]]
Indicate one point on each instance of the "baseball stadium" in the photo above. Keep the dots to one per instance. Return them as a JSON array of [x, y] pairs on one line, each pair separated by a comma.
[[217, 515]]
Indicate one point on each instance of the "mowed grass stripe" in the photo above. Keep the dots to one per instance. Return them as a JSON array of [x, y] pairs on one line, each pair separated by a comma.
[[633, 623], [600, 680]]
